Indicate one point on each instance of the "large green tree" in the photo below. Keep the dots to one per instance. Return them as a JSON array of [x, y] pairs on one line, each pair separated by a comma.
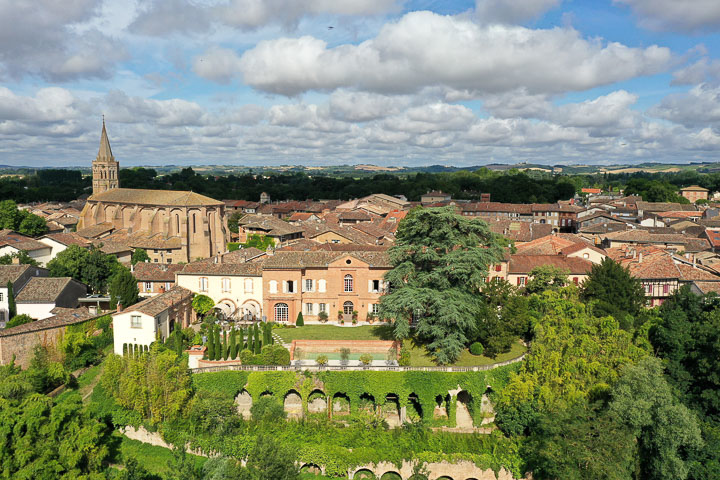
[[89, 266], [665, 428], [139, 255], [613, 290], [440, 261], [123, 288], [21, 221]]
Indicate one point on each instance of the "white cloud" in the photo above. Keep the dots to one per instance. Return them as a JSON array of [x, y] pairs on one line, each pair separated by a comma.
[[676, 15], [41, 38], [515, 11], [425, 49], [704, 70], [162, 17], [699, 107], [353, 106], [217, 64]]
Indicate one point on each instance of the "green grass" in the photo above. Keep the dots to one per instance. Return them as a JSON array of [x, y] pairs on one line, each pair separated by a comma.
[[332, 332], [419, 357], [84, 383], [154, 459]]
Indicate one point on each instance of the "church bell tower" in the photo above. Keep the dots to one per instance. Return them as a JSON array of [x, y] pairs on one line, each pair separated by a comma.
[[104, 167]]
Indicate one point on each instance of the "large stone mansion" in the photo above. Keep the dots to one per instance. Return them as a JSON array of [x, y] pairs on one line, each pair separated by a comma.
[[173, 226]]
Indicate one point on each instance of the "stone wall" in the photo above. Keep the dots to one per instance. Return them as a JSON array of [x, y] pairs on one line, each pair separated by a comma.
[[22, 345]]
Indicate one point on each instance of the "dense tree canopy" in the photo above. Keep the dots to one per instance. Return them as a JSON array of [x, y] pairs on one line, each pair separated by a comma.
[[20, 221], [123, 288], [440, 261], [89, 266], [613, 290]]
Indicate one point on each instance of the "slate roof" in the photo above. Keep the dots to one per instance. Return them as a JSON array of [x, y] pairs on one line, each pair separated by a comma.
[[20, 241], [141, 196], [43, 289], [161, 302]]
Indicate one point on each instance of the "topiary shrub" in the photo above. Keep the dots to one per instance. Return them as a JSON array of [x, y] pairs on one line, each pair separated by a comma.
[[366, 359], [344, 355], [246, 357], [321, 360], [299, 321], [477, 349], [404, 357], [323, 317]]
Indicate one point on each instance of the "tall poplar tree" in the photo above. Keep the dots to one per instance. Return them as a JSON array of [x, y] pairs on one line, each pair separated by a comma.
[[440, 261]]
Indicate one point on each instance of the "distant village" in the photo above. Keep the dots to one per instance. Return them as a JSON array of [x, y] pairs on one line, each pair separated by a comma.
[[325, 259]]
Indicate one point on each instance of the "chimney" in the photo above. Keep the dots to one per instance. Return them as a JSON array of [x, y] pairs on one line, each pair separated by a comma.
[[119, 307], [270, 251], [640, 257]]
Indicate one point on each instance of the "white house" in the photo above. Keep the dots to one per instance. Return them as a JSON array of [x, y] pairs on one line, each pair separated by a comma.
[[12, 243], [41, 295], [234, 284], [18, 275], [155, 318], [58, 242]]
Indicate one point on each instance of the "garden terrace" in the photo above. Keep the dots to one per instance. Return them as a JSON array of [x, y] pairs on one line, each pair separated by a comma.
[[438, 398]]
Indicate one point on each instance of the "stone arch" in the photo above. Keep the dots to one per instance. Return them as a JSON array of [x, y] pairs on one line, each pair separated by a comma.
[[317, 401], [471, 478], [391, 410], [367, 403], [313, 468], [250, 309], [391, 475], [364, 474], [463, 410], [441, 403], [445, 477], [414, 410], [340, 404], [244, 402], [487, 409], [293, 405]]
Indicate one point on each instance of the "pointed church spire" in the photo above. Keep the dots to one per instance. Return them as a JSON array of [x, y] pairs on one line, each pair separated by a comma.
[[105, 152]]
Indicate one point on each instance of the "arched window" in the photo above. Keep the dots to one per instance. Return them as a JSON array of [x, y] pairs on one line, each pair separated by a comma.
[[348, 283], [348, 308], [282, 313]]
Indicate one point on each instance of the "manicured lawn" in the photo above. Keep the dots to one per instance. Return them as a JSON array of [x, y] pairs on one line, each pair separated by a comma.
[[418, 355], [333, 332], [420, 358]]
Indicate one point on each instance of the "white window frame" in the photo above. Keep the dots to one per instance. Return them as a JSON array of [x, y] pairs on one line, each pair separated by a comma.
[[309, 309], [375, 308], [309, 285], [284, 310], [272, 286], [348, 283], [226, 284], [322, 307], [148, 286], [203, 281], [248, 285], [135, 321]]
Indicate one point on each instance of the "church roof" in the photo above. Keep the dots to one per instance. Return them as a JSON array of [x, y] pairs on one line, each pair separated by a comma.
[[172, 198], [105, 152]]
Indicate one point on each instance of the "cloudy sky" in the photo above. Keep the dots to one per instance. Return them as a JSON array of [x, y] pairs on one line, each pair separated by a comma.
[[387, 82]]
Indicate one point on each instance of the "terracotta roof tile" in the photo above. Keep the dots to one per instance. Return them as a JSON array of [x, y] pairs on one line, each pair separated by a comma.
[[156, 272], [62, 318], [154, 197], [161, 302], [43, 289], [526, 263], [10, 273]]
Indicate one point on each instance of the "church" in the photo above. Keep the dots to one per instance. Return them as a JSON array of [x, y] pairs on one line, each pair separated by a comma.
[[172, 226]]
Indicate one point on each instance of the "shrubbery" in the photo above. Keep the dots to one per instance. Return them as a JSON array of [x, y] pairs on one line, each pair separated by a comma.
[[476, 348]]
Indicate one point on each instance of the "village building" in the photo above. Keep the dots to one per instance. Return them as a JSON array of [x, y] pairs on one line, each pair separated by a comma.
[[59, 242], [152, 319], [694, 193], [18, 276], [41, 295], [232, 281], [13, 243], [520, 267], [280, 231], [435, 197], [155, 278], [336, 283]]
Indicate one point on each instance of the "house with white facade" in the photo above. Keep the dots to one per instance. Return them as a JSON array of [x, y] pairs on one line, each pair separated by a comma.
[[236, 288], [153, 319], [18, 275], [42, 294]]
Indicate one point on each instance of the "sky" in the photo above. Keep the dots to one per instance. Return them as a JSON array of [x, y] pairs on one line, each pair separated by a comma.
[[383, 82]]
